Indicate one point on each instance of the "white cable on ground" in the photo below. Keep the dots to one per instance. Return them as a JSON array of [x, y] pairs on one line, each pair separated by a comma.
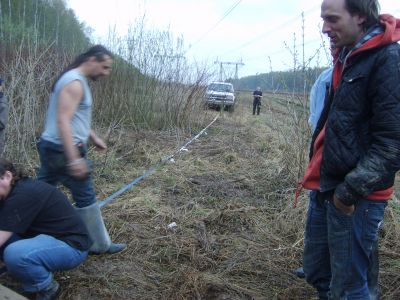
[[152, 170]]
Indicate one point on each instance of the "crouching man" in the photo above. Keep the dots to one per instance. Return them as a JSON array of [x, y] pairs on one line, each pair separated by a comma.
[[40, 232]]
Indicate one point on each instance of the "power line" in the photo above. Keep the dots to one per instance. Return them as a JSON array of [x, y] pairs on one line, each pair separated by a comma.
[[313, 41], [278, 27], [213, 27]]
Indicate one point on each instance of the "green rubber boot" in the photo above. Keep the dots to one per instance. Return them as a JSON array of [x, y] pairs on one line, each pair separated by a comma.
[[91, 216]]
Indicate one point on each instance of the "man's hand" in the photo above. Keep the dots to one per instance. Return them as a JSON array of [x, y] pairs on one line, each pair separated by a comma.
[[4, 236], [98, 142], [347, 210], [78, 168]]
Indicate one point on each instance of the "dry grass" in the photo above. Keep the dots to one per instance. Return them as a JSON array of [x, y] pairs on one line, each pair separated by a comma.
[[231, 195]]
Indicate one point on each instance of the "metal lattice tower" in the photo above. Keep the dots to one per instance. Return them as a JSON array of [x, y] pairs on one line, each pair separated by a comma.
[[221, 67]]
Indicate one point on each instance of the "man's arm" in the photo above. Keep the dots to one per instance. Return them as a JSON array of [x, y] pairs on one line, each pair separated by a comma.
[[4, 236], [69, 99]]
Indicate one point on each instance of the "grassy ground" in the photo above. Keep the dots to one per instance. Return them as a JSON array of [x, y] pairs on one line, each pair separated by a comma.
[[231, 195]]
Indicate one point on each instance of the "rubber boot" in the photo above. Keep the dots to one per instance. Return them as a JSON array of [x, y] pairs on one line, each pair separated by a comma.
[[91, 216]]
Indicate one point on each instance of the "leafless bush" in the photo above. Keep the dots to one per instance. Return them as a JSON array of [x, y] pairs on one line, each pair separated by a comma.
[[152, 86]]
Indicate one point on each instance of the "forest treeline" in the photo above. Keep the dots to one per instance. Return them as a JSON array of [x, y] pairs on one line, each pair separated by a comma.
[[42, 22], [299, 81]]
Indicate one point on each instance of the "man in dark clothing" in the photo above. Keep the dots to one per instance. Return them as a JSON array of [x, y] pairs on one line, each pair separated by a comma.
[[355, 150], [40, 232], [257, 95]]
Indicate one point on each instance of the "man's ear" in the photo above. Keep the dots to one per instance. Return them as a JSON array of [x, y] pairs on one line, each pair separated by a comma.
[[361, 20]]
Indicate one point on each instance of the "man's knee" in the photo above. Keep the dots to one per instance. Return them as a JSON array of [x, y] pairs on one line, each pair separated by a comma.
[[15, 257]]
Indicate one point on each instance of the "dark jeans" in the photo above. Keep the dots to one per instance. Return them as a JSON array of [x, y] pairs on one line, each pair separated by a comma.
[[256, 105], [53, 170], [340, 251]]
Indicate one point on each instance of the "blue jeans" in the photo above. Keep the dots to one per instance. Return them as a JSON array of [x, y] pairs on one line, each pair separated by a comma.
[[53, 169], [340, 251], [32, 261]]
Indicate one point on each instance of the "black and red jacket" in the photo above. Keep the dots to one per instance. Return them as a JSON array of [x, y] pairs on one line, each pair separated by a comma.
[[355, 149]]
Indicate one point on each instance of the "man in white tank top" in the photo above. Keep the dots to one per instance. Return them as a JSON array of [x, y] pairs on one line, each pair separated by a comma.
[[63, 143]]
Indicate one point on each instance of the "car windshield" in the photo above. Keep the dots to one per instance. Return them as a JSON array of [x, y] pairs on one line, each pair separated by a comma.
[[220, 87]]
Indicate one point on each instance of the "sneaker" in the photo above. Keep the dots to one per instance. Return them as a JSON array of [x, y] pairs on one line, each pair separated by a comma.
[[49, 293], [115, 248]]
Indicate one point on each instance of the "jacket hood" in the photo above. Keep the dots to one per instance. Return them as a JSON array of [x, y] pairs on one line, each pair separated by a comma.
[[390, 35], [390, 27]]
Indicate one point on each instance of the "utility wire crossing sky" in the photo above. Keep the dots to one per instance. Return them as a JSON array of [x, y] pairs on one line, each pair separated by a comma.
[[265, 35]]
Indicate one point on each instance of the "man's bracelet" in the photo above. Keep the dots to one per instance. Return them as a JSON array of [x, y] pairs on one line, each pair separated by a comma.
[[75, 162]]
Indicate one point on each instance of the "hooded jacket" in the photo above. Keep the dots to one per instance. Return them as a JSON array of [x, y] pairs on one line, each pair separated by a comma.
[[355, 149]]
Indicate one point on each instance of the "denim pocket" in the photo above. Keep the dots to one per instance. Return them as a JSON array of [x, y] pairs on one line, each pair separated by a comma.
[[338, 213], [316, 219], [52, 156], [340, 224], [372, 217]]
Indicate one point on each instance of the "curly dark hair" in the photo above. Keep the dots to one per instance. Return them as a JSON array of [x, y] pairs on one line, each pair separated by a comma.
[[6, 165]]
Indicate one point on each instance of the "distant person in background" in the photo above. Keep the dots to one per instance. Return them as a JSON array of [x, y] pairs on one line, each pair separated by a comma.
[[40, 232], [3, 117], [63, 144], [257, 95]]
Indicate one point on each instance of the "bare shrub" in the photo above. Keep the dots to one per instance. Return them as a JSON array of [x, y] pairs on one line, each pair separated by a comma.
[[151, 86]]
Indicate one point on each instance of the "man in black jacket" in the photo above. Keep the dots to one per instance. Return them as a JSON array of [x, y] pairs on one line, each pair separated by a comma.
[[355, 151], [257, 95]]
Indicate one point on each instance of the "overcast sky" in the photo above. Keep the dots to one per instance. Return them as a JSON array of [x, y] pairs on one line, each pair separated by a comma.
[[259, 33]]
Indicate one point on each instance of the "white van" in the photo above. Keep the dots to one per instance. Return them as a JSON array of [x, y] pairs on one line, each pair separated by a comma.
[[220, 94]]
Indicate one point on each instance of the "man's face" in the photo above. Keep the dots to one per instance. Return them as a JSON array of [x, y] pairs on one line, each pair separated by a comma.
[[343, 29], [5, 185], [100, 68]]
